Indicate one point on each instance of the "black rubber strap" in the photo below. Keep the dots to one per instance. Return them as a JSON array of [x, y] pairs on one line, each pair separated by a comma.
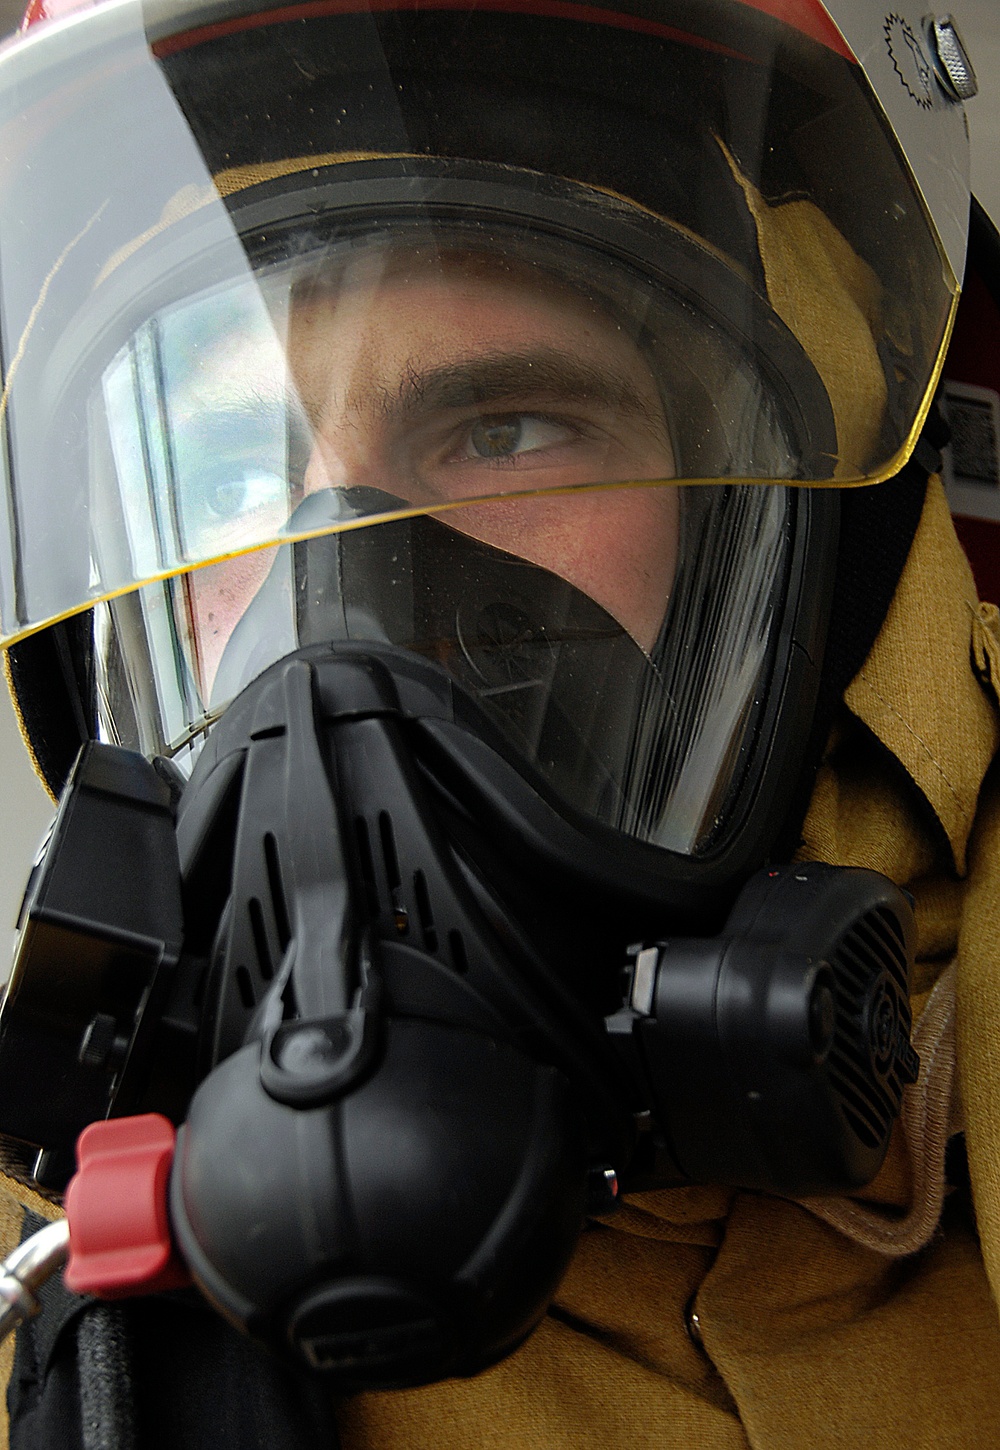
[[163, 1373]]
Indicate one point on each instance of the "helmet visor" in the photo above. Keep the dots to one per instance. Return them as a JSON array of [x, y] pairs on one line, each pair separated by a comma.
[[433, 259], [424, 368]]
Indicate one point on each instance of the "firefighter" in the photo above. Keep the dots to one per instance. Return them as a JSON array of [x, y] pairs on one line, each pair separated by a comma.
[[578, 364]]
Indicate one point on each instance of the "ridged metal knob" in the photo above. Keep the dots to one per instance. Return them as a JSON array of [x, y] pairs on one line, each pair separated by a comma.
[[952, 61]]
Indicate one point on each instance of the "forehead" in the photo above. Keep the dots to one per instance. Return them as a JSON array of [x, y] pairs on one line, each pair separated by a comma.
[[390, 307], [445, 278], [374, 266]]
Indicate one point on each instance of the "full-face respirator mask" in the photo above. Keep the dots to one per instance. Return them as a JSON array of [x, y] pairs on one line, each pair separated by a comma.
[[448, 547]]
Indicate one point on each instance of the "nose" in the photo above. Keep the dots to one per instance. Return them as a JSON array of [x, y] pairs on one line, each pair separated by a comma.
[[348, 458]]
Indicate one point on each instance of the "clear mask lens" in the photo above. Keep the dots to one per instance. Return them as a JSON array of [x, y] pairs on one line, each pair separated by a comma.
[[642, 736]]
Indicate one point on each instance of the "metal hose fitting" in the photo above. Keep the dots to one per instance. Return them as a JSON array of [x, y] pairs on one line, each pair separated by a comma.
[[24, 1271]]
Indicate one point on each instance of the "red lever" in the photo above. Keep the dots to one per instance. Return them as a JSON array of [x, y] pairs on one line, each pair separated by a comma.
[[116, 1204]]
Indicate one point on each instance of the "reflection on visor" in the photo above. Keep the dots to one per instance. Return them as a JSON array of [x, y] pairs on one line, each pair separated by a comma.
[[617, 637], [383, 249], [197, 420], [436, 373]]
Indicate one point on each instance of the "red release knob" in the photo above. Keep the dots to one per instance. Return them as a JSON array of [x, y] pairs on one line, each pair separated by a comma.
[[116, 1204]]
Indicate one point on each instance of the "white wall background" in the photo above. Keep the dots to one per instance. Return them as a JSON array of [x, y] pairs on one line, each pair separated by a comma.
[[25, 809]]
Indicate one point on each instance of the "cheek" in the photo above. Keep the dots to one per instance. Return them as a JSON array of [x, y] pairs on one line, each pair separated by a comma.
[[216, 599], [619, 546]]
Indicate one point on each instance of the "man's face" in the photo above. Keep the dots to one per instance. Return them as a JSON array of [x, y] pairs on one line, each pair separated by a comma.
[[454, 377]]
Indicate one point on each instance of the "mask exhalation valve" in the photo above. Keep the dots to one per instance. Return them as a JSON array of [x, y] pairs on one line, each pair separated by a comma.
[[775, 1055]]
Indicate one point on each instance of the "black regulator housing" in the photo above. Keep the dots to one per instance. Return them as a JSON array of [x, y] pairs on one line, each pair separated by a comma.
[[409, 1048]]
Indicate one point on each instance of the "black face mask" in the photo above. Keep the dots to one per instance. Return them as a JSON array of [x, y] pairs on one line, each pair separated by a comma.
[[396, 1106], [557, 677]]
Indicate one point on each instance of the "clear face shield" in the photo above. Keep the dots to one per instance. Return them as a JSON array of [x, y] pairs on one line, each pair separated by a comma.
[[498, 385], [479, 395]]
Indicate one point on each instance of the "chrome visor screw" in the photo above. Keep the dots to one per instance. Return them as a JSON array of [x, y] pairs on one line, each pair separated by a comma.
[[951, 59]]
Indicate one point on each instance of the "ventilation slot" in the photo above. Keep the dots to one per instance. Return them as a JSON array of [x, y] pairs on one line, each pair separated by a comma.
[[245, 985], [367, 864], [198, 995], [853, 969], [878, 936], [277, 891], [861, 1128], [424, 911], [869, 1113], [259, 931], [456, 945], [388, 840], [400, 915], [873, 944]]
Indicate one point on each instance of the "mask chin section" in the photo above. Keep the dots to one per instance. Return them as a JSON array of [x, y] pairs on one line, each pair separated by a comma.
[[394, 1073]]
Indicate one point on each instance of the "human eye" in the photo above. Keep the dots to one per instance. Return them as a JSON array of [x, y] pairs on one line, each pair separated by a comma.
[[505, 437], [232, 477], [239, 490]]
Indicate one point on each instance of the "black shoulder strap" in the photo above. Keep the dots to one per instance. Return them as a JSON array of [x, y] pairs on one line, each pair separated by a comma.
[[162, 1373]]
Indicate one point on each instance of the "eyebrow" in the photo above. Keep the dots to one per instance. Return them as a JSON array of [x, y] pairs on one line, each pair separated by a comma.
[[506, 377]]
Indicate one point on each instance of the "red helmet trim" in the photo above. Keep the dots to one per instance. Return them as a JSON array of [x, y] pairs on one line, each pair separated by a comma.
[[809, 17], [555, 9]]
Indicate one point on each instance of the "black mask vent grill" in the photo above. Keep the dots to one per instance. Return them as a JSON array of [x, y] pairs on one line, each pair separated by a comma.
[[873, 1017]]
